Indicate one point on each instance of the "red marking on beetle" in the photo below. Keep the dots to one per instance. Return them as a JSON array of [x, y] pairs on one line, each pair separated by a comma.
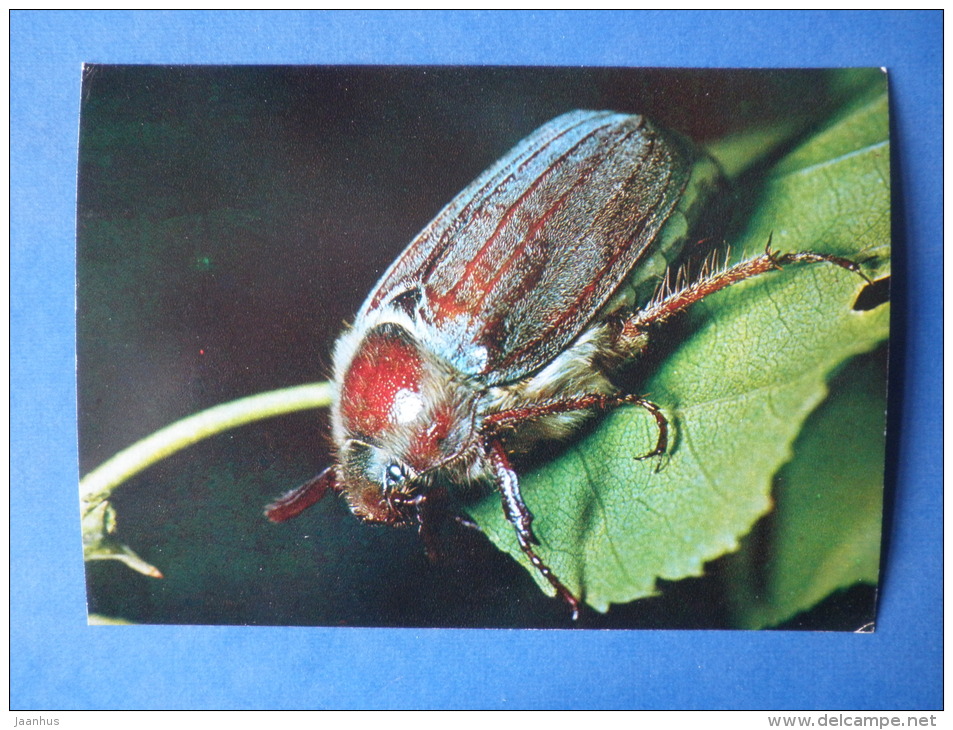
[[452, 301], [638, 228], [383, 366], [474, 208], [518, 252], [426, 447]]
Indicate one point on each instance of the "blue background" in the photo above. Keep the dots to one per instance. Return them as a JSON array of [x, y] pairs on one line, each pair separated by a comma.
[[57, 662]]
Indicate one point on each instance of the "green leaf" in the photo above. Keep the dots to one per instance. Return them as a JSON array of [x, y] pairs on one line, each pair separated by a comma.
[[832, 194], [825, 533], [736, 391]]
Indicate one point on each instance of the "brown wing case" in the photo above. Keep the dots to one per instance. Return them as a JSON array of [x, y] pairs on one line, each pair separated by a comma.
[[516, 266]]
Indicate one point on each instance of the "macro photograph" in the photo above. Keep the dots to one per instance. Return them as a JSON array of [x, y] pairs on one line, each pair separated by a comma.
[[483, 347]]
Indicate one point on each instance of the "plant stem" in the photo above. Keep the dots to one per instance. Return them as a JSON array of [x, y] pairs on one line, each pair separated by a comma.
[[96, 486]]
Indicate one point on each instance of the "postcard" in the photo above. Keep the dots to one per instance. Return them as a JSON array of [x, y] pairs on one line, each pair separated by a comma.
[[578, 348]]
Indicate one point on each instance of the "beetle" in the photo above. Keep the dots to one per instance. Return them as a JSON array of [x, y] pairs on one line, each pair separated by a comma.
[[503, 322]]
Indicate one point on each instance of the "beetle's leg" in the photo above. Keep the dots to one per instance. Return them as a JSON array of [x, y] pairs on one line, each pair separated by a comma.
[[291, 504], [466, 522], [667, 303], [427, 506], [432, 510], [521, 518], [502, 419]]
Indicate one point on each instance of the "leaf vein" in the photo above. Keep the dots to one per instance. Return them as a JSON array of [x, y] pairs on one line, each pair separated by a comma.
[[834, 160]]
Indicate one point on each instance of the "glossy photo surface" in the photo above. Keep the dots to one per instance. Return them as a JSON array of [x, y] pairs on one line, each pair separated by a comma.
[[477, 225]]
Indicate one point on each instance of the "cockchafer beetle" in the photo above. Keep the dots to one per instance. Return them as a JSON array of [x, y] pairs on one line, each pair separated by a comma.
[[502, 323]]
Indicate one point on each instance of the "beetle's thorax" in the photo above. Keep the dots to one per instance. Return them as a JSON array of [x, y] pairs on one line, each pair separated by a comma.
[[400, 412]]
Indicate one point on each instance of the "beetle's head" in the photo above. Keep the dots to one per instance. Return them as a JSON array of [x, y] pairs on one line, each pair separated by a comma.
[[398, 417], [378, 486]]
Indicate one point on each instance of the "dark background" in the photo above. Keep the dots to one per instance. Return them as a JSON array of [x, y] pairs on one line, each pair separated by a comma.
[[230, 221]]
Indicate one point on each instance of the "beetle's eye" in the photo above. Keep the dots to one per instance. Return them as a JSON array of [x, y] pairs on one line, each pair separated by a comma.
[[393, 476]]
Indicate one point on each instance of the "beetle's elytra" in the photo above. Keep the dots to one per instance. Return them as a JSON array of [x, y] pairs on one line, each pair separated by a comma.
[[501, 324]]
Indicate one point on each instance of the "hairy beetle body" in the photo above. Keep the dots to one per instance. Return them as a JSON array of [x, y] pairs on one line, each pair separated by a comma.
[[502, 323]]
